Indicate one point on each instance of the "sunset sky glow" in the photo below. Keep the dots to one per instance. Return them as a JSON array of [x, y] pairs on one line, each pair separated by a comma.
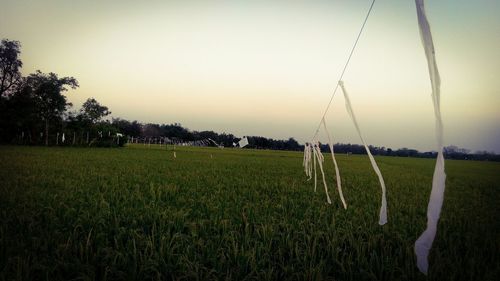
[[269, 67]]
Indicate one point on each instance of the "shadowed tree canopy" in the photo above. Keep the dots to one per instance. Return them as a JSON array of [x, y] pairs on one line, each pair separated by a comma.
[[128, 128], [10, 65], [46, 90], [93, 111]]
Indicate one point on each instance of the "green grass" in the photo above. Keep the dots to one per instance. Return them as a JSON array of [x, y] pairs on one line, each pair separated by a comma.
[[138, 214]]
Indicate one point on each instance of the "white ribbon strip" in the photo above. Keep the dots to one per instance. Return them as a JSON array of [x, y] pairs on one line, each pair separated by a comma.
[[321, 159], [337, 173], [309, 158], [307, 161], [315, 174], [383, 208], [424, 242], [304, 161]]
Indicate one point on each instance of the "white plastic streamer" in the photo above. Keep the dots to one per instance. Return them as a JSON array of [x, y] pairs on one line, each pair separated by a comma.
[[307, 161], [315, 162], [383, 208], [320, 161], [304, 160], [424, 242], [337, 173], [315, 174]]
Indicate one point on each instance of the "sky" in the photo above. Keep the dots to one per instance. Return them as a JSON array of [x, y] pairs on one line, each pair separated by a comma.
[[269, 67]]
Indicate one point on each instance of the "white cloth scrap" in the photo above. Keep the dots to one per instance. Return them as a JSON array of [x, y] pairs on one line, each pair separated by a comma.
[[243, 142]]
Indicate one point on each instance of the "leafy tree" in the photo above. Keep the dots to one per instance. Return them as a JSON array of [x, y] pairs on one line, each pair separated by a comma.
[[151, 130], [93, 111], [292, 144], [22, 112], [10, 65], [176, 131], [47, 89], [128, 128], [10, 78]]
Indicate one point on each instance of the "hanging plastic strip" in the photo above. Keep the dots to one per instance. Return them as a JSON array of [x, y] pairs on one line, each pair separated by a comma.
[[383, 207], [424, 242]]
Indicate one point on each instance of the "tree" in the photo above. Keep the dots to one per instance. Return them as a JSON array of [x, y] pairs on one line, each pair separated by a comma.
[[47, 89], [21, 111], [128, 128], [292, 144], [93, 111], [10, 65], [151, 130]]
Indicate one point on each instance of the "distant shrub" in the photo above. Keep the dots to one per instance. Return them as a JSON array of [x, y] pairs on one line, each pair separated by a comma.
[[108, 142]]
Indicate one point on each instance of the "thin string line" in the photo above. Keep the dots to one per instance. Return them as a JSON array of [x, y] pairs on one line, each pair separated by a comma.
[[345, 67]]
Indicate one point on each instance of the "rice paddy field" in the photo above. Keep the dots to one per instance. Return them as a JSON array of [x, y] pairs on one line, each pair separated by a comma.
[[138, 213]]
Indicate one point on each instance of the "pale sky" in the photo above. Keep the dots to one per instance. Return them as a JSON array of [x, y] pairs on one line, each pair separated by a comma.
[[269, 67]]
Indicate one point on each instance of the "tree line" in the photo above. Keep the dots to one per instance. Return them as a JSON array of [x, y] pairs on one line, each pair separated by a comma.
[[450, 152], [34, 110]]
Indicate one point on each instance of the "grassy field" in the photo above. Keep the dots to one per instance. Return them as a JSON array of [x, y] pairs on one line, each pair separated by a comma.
[[137, 213]]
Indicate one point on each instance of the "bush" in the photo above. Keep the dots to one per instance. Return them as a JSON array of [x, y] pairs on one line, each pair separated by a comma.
[[108, 142]]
